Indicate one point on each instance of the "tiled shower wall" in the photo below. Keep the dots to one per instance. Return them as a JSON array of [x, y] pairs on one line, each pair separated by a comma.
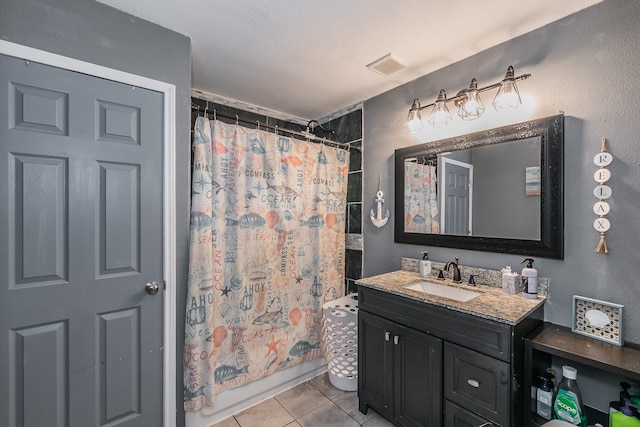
[[347, 129]]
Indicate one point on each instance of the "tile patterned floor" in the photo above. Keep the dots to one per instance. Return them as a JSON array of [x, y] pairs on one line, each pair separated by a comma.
[[315, 403]]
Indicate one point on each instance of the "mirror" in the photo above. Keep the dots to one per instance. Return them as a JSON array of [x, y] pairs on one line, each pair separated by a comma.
[[499, 190]]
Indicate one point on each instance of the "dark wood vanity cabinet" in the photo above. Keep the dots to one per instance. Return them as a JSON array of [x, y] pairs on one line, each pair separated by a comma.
[[425, 365], [401, 375]]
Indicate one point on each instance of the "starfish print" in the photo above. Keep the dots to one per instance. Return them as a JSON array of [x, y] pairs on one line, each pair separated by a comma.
[[273, 345], [298, 280], [225, 291]]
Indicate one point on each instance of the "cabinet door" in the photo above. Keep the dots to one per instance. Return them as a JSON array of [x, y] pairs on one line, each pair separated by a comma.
[[455, 416], [417, 378], [375, 363]]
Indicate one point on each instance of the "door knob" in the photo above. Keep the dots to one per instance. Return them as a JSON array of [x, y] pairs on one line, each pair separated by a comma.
[[152, 288]]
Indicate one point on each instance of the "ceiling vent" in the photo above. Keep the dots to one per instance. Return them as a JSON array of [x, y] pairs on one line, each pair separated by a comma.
[[386, 65]]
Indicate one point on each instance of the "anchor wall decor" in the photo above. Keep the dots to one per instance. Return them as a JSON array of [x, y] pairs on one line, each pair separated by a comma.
[[376, 218]]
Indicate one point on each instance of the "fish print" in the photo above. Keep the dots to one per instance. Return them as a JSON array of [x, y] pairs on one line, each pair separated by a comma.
[[190, 395], [266, 318], [249, 195], [291, 161], [288, 215], [227, 372], [283, 190], [302, 347], [231, 222], [257, 146], [418, 219], [200, 220], [315, 221], [251, 220]]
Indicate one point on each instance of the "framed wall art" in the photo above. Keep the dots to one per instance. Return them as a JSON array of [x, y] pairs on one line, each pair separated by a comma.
[[597, 319]]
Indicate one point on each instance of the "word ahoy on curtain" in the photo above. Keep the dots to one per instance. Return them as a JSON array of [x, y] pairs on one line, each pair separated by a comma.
[[267, 250]]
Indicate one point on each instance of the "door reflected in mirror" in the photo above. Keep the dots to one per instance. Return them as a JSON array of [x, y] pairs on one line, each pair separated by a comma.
[[498, 190]]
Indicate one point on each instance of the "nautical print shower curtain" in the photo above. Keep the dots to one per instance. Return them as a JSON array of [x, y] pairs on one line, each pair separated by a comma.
[[421, 199], [266, 251]]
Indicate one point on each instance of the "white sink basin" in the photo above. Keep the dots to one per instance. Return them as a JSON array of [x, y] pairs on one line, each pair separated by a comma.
[[444, 291]]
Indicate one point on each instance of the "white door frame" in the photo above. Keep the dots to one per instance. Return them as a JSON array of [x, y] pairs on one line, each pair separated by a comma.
[[168, 192]]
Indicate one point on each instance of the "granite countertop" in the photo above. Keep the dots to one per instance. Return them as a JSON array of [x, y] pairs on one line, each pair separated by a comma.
[[494, 303]]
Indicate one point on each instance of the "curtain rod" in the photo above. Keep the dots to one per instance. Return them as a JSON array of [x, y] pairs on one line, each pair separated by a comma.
[[310, 137]]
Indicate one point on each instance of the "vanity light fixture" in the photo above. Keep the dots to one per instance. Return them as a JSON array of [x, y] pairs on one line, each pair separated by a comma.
[[468, 102]]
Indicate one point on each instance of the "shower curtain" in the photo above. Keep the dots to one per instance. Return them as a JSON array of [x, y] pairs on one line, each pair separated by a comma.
[[266, 251], [421, 208]]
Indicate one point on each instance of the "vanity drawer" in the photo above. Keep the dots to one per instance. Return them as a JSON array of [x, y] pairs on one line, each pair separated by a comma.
[[477, 382], [487, 336], [455, 416]]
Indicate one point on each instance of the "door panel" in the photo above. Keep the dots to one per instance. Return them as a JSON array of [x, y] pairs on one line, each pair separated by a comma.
[[80, 236]]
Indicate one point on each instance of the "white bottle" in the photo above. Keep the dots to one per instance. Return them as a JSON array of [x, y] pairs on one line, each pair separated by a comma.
[[425, 266], [545, 398], [529, 279]]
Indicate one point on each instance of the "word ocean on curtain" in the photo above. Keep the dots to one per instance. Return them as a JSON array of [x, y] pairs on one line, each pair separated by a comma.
[[267, 249]]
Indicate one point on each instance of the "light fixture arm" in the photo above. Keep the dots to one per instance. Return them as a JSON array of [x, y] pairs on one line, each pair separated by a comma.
[[460, 95]]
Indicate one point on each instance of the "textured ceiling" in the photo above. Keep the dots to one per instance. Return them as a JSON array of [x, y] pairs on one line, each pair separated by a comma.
[[308, 59]]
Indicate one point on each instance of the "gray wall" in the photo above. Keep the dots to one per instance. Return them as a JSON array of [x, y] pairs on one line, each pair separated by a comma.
[[587, 66], [500, 206], [92, 32]]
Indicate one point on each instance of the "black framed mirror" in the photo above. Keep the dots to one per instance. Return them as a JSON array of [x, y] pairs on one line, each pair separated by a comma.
[[499, 190]]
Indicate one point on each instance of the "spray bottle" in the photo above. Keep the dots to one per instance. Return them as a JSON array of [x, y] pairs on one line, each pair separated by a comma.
[[529, 279]]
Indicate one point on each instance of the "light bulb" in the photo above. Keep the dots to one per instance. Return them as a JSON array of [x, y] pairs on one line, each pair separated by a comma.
[[440, 114], [471, 106], [508, 96], [413, 123]]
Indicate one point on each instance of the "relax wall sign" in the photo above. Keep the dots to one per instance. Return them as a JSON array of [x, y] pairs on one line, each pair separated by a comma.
[[602, 192]]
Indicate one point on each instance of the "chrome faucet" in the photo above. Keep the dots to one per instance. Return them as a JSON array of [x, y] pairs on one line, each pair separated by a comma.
[[456, 270]]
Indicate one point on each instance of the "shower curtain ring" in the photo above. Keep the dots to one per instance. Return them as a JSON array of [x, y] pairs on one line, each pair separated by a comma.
[[258, 123], [236, 119], [206, 108], [214, 114], [275, 129]]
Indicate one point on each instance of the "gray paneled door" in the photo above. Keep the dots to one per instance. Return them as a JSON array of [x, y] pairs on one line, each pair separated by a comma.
[[457, 196], [80, 237]]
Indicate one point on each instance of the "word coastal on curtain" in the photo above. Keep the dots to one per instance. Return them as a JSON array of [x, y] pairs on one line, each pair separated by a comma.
[[266, 251], [421, 199]]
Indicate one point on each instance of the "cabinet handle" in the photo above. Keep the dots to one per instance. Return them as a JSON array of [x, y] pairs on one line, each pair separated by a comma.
[[396, 339], [473, 383], [485, 425], [387, 335]]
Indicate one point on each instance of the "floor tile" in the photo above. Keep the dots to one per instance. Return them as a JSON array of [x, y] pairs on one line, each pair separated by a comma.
[[327, 415], [227, 422], [348, 402], [301, 399], [377, 420], [293, 424], [269, 413], [323, 384]]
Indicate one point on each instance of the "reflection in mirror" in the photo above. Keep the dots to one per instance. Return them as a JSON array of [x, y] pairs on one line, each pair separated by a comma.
[[488, 191], [498, 190]]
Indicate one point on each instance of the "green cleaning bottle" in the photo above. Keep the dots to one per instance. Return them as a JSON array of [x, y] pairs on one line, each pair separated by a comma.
[[568, 404]]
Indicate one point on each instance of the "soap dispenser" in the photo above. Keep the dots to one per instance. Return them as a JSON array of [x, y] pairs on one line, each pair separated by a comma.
[[529, 279], [425, 266]]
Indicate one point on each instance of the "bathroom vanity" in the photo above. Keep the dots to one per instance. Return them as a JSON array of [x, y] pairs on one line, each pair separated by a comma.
[[427, 360]]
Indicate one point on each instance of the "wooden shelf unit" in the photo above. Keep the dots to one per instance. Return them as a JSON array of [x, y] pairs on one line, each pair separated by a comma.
[[553, 340]]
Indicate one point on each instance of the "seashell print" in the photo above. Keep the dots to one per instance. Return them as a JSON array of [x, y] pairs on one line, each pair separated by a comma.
[[331, 220], [236, 336], [288, 215], [219, 335], [297, 294], [224, 309], [251, 220], [218, 147], [257, 146], [295, 315], [597, 318], [272, 218]]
